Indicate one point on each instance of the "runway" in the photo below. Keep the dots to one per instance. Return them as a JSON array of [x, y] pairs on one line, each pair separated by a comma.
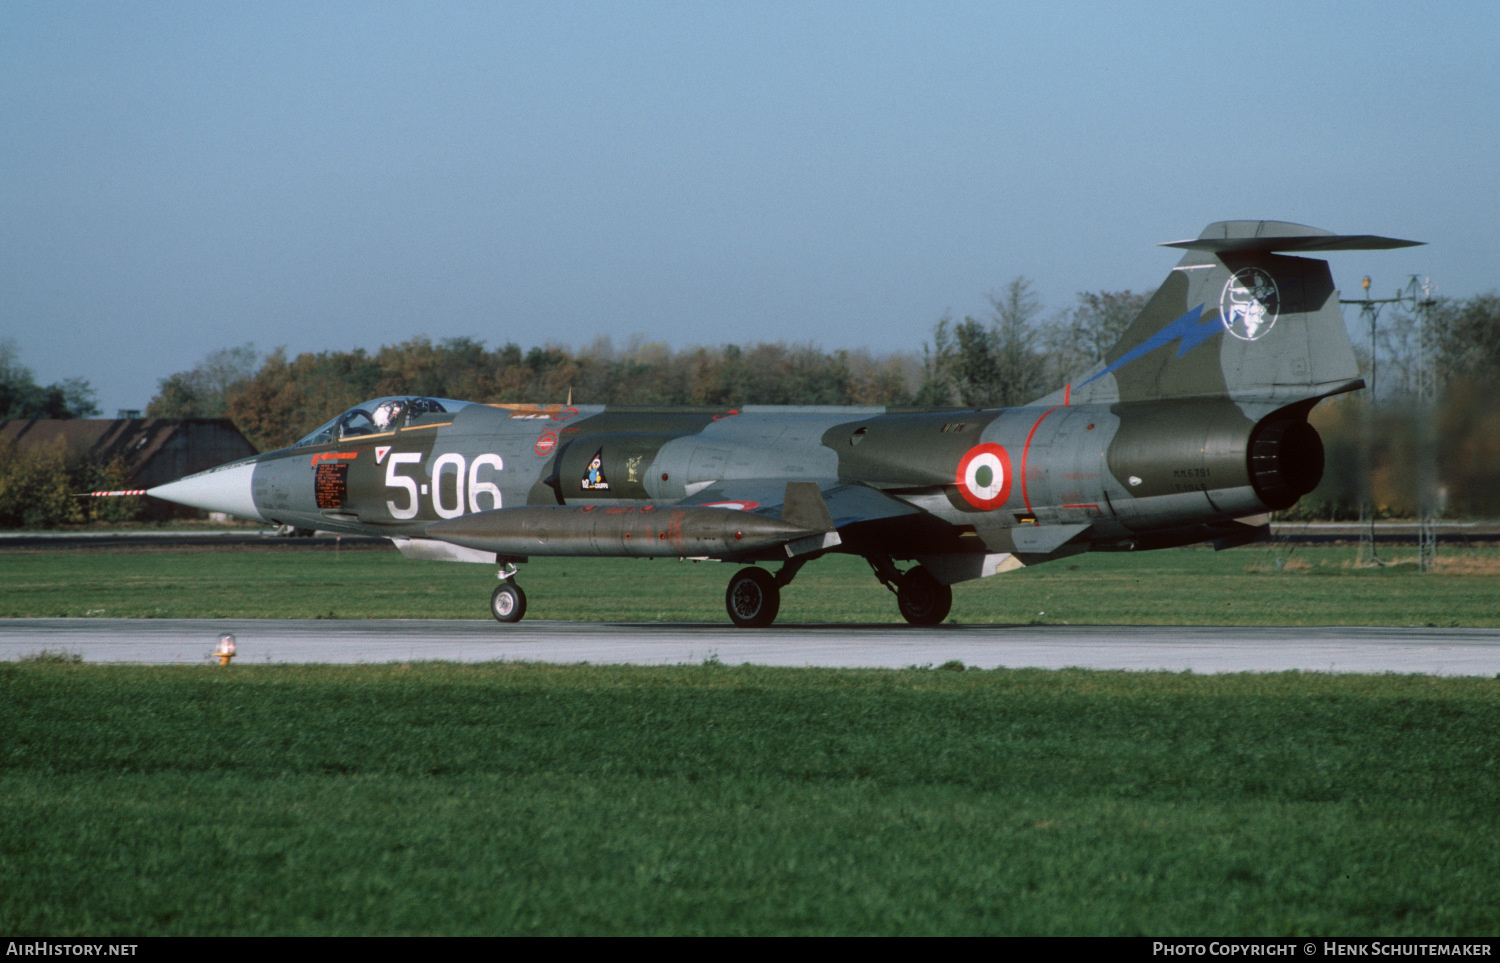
[[1428, 651]]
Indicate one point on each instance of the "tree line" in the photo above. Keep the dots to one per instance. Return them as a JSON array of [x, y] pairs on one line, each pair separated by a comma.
[[1460, 428], [1007, 358], [40, 486], [22, 397], [279, 399], [37, 486]]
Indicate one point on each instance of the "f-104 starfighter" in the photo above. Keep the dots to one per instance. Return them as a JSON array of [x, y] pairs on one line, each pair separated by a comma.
[[1191, 428]]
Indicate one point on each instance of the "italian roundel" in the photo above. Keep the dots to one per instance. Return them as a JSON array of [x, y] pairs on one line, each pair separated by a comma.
[[984, 476]]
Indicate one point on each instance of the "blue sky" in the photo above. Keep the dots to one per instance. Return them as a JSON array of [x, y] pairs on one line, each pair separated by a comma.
[[180, 177]]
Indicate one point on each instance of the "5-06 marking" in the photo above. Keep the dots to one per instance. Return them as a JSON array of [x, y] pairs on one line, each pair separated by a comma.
[[462, 472]]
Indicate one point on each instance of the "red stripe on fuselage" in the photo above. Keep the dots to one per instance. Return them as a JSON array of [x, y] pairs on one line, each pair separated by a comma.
[[1026, 452]]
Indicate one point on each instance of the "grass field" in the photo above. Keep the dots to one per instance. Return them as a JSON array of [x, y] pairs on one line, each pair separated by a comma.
[[433, 798], [711, 799], [1264, 585]]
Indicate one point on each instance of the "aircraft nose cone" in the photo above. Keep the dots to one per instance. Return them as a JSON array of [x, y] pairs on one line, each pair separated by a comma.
[[227, 489]]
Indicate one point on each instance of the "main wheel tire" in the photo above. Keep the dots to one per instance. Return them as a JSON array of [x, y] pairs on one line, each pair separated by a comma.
[[923, 600], [508, 603], [753, 598]]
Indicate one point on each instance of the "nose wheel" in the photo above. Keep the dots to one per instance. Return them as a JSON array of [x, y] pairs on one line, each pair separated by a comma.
[[508, 603]]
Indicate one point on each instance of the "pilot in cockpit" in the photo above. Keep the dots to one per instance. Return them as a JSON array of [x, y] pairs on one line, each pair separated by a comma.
[[390, 415]]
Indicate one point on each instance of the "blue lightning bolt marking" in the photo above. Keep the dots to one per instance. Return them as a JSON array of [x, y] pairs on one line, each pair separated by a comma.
[[1189, 328]]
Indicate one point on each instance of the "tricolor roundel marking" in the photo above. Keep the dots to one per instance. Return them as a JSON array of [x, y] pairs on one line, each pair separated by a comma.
[[984, 476]]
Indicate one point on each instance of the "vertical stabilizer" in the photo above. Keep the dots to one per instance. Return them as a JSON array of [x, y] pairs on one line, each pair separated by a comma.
[[1237, 318]]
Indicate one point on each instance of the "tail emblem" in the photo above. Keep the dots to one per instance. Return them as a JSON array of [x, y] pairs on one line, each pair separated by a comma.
[[1249, 304]]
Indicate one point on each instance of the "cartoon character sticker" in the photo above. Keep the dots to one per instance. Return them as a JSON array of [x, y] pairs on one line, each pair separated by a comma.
[[593, 477]]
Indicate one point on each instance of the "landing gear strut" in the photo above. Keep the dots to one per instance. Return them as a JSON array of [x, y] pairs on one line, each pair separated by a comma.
[[922, 599], [508, 602]]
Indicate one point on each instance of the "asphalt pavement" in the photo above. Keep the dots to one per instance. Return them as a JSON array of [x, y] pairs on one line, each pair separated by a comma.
[[1200, 649]]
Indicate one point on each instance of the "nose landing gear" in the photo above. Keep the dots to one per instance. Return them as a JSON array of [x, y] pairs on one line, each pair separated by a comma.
[[508, 602]]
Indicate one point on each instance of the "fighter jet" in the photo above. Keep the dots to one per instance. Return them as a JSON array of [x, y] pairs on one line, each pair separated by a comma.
[[1192, 428]]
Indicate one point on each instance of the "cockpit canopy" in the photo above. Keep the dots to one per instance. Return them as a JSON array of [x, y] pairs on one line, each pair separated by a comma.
[[381, 415]]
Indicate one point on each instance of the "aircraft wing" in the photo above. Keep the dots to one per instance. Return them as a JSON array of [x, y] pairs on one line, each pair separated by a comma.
[[843, 513], [845, 502]]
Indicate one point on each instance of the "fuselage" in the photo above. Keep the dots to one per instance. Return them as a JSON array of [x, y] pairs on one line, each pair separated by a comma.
[[1108, 473]]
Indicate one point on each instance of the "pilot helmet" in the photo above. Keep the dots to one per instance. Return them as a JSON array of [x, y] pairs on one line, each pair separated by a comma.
[[388, 414]]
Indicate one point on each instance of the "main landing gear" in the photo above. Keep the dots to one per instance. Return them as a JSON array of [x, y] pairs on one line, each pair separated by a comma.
[[753, 598], [922, 599], [754, 595]]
